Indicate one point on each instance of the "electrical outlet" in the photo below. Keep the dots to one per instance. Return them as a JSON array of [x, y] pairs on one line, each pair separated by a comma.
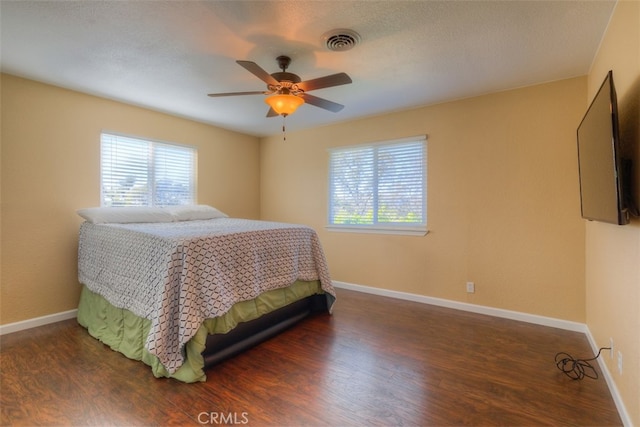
[[619, 363], [471, 287], [611, 353]]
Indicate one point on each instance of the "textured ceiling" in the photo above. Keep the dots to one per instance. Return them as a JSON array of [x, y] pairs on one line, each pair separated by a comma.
[[167, 55]]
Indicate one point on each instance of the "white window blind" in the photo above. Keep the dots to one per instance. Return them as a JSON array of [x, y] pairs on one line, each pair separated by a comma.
[[138, 172], [379, 186]]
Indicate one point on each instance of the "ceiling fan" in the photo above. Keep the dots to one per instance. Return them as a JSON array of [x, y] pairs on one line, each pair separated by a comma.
[[287, 90]]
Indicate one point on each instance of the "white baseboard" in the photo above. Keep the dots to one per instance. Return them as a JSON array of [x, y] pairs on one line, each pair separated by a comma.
[[474, 308], [38, 321], [507, 314], [615, 394]]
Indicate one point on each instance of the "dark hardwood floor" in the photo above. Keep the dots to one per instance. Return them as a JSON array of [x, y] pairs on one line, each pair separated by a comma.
[[375, 361]]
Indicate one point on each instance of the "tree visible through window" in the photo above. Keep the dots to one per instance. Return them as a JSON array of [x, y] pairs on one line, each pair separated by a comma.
[[138, 172], [379, 185]]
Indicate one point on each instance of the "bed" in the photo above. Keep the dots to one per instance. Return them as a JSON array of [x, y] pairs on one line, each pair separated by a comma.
[[183, 288]]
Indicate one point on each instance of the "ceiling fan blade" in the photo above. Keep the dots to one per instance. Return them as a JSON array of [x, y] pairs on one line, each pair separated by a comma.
[[326, 81], [257, 71], [255, 92], [272, 113], [322, 103]]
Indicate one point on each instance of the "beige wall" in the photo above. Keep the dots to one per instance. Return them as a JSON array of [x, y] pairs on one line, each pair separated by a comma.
[[50, 168], [503, 200], [613, 252]]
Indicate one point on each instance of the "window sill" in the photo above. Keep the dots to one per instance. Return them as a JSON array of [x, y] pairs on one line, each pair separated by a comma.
[[404, 231]]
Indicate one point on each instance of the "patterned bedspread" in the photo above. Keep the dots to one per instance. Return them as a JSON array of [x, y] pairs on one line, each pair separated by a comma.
[[178, 274]]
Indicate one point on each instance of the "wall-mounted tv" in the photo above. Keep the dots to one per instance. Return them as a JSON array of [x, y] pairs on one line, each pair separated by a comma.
[[599, 159]]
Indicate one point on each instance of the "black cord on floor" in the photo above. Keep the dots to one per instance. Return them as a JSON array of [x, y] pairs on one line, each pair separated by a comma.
[[577, 369]]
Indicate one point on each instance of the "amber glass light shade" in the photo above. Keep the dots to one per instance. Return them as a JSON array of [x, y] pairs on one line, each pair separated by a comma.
[[284, 104]]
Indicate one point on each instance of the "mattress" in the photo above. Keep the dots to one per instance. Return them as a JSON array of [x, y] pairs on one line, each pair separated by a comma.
[[176, 275]]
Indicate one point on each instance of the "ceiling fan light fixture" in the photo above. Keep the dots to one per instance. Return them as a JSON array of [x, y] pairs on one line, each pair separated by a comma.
[[284, 104]]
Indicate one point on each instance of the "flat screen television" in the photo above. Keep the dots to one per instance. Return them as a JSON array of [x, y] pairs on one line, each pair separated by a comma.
[[599, 159]]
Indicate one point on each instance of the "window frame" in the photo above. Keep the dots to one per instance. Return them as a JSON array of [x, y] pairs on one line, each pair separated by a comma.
[[413, 229], [151, 193]]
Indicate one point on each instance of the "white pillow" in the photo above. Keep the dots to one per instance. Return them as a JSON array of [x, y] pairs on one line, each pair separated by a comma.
[[194, 212], [126, 214]]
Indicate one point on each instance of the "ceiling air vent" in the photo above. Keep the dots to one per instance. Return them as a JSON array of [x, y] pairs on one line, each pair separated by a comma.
[[341, 40]]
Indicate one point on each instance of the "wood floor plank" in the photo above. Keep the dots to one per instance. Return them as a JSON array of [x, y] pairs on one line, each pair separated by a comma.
[[375, 361]]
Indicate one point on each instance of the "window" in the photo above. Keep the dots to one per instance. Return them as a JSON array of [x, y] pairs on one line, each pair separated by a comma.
[[138, 172], [379, 187]]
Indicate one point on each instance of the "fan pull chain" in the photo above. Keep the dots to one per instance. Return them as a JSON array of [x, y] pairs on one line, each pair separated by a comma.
[[284, 130]]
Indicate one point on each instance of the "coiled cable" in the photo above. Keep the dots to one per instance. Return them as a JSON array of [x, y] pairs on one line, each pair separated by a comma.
[[577, 369]]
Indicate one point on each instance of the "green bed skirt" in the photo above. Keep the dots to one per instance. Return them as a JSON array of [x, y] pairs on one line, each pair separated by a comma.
[[126, 333]]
